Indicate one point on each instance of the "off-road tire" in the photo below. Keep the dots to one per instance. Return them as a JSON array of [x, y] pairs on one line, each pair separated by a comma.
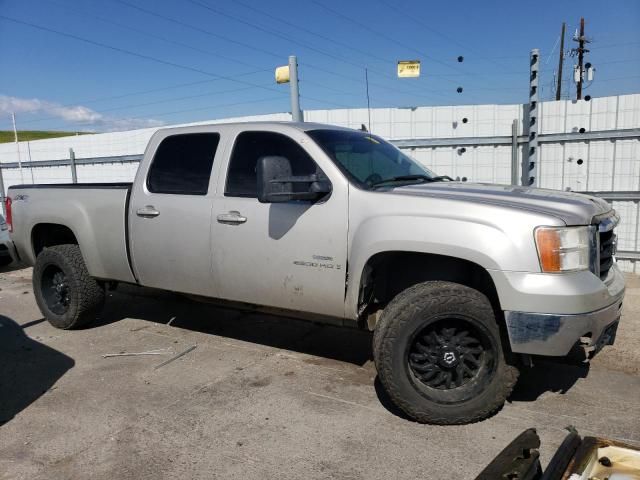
[[421, 306], [85, 296]]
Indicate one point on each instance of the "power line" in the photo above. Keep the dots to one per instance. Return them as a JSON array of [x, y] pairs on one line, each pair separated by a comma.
[[147, 57], [304, 45], [627, 77], [284, 37], [153, 35], [416, 20], [161, 89], [134, 54], [198, 29], [222, 37], [613, 45], [208, 7], [266, 30], [144, 56], [382, 35], [310, 32]]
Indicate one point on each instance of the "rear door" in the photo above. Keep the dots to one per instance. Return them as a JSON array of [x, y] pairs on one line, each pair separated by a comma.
[[287, 255], [170, 213]]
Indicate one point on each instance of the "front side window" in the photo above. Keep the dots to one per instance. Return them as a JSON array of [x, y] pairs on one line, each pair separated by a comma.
[[242, 180], [182, 164], [368, 160]]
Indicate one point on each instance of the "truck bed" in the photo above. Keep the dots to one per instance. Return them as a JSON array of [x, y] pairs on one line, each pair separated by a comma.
[[96, 213]]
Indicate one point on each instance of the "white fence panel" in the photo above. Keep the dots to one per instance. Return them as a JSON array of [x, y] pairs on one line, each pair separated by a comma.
[[586, 165]]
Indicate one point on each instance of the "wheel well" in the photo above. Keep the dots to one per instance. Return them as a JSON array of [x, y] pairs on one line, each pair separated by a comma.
[[49, 234], [389, 273]]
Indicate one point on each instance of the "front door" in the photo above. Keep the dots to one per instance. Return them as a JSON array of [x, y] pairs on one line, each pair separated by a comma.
[[170, 215], [287, 255]]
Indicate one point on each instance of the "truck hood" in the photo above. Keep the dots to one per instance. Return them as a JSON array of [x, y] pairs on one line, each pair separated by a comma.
[[572, 208]]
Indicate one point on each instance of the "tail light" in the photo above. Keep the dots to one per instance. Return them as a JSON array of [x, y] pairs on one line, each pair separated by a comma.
[[9, 219]]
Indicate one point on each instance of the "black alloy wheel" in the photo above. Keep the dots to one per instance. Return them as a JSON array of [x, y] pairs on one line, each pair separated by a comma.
[[449, 353], [55, 289]]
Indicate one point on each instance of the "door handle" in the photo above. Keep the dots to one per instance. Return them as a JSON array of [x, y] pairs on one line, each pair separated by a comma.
[[233, 217], [147, 212]]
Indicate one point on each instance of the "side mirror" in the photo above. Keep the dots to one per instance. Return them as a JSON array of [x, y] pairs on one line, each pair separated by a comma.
[[276, 184]]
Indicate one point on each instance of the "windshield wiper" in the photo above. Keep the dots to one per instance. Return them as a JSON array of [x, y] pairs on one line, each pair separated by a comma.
[[402, 178], [440, 178]]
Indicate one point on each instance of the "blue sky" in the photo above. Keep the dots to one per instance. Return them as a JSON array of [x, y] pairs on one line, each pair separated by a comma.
[[133, 63]]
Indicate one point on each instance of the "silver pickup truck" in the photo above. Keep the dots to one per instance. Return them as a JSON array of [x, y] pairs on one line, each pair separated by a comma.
[[461, 283]]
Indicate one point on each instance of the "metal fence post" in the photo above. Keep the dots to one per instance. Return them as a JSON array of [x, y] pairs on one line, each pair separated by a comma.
[[530, 160], [514, 152], [4, 213], [72, 158]]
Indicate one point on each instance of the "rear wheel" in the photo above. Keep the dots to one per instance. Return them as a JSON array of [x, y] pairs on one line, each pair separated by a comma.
[[67, 295], [439, 356]]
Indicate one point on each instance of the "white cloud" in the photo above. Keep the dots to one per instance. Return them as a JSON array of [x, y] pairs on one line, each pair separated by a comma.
[[77, 114]]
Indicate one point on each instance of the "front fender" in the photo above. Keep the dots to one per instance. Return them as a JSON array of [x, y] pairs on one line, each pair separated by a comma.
[[482, 243]]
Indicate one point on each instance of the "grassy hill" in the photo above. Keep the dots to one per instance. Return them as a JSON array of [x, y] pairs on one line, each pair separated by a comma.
[[6, 136]]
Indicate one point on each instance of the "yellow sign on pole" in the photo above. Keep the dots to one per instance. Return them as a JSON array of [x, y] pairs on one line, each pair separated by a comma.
[[408, 68], [282, 74]]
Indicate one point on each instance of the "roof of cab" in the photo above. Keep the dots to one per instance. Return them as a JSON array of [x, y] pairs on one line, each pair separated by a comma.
[[303, 126]]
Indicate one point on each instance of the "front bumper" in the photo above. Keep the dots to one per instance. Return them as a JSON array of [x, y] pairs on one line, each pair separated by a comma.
[[560, 310], [555, 335]]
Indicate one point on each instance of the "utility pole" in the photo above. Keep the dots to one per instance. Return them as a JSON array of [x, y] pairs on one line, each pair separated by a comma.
[[560, 62], [289, 74], [296, 113], [581, 51]]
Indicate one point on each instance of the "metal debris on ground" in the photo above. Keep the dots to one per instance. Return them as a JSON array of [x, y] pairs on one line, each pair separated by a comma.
[[161, 351], [175, 357]]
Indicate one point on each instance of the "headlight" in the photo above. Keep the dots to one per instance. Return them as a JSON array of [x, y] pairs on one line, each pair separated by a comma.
[[563, 249]]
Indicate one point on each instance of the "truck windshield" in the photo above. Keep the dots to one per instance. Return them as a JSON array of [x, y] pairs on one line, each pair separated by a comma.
[[369, 161]]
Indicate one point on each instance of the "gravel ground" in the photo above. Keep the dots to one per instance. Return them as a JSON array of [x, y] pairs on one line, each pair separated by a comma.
[[260, 397]]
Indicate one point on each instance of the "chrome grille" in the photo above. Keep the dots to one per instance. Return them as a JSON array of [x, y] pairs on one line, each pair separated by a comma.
[[607, 251], [607, 243]]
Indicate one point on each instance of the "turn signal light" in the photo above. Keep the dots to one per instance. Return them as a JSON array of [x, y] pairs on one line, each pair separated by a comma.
[[563, 249]]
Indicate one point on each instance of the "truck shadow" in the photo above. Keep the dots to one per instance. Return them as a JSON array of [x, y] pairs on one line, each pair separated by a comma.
[[12, 267], [330, 342], [28, 369], [547, 375]]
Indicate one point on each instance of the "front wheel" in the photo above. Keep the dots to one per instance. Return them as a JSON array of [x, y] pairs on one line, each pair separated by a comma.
[[67, 295], [439, 356]]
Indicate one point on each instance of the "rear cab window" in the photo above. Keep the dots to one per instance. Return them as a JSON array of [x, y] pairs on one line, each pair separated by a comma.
[[182, 164]]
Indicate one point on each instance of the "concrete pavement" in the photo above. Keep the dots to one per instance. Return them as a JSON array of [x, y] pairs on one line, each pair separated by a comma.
[[260, 397]]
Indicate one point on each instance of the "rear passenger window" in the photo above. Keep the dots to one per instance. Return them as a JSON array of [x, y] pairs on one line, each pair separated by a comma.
[[182, 164], [249, 147]]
